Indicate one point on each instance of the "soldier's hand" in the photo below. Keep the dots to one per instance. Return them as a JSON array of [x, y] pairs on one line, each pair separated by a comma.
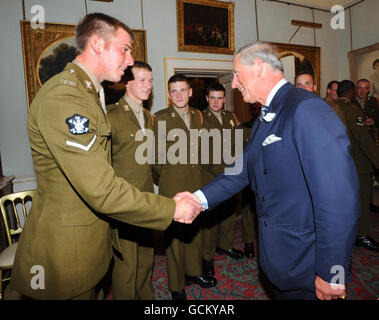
[[187, 207]]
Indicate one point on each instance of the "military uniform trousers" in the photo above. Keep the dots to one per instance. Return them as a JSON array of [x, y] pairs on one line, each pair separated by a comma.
[[132, 274], [183, 252], [219, 225]]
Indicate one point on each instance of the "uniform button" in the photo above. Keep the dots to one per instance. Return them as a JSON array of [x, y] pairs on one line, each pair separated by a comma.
[[263, 199], [265, 223], [264, 171]]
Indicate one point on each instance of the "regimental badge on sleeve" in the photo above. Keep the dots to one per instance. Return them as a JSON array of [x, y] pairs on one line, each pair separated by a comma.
[[78, 124]]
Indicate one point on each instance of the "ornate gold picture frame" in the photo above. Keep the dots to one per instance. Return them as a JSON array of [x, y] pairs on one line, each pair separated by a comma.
[[205, 26], [304, 56], [55, 44]]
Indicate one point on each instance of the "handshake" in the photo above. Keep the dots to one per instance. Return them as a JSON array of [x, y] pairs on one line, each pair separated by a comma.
[[188, 207]]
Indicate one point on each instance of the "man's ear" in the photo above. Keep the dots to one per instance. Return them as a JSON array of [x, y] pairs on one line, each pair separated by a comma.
[[259, 66], [97, 43], [190, 92]]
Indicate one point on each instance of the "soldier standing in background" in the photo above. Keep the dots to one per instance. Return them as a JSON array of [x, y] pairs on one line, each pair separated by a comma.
[[132, 275], [183, 252], [219, 224]]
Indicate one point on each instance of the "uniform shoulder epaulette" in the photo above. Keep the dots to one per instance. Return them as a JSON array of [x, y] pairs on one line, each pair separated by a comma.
[[113, 106], [160, 112]]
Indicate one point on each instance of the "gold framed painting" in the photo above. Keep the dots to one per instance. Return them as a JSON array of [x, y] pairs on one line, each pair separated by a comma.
[[205, 26], [305, 58], [47, 51]]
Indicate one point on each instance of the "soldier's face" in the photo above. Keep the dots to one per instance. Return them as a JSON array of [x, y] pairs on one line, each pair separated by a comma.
[[216, 100], [362, 89], [333, 91], [117, 56], [305, 82], [139, 89], [179, 93]]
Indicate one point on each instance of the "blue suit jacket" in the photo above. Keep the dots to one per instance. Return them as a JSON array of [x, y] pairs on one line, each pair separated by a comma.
[[307, 191]]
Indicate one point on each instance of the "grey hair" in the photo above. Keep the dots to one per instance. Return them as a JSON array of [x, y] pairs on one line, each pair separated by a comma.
[[266, 52]]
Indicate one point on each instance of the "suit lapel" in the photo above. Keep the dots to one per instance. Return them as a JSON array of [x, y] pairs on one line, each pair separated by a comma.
[[261, 129]]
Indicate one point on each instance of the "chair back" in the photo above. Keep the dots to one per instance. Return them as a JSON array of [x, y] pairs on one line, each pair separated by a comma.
[[13, 207]]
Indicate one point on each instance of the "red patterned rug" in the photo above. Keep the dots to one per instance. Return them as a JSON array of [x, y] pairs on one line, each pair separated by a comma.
[[243, 280]]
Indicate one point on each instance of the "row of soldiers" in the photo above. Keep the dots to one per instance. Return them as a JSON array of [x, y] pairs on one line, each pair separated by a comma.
[[190, 249]]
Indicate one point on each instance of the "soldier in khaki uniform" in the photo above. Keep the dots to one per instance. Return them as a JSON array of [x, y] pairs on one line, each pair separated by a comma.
[[369, 106], [177, 173], [65, 235], [365, 155], [132, 275], [219, 224]]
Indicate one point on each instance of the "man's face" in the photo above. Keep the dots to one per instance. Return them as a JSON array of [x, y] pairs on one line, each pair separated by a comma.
[[139, 89], [362, 89], [179, 93], [216, 100], [117, 56], [332, 92], [305, 81], [244, 80]]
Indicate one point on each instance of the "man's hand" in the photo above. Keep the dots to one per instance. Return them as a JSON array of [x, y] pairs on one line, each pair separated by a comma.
[[188, 207], [327, 291]]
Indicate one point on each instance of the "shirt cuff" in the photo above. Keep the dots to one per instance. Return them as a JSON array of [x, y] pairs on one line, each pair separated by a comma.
[[203, 199]]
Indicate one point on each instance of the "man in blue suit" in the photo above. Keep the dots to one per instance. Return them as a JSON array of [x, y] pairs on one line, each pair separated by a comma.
[[307, 191]]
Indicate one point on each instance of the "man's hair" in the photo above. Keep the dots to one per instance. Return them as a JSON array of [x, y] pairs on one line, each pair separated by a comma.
[[262, 50], [362, 80], [344, 87], [308, 72], [179, 77], [216, 86], [330, 84], [129, 76], [374, 63], [97, 23]]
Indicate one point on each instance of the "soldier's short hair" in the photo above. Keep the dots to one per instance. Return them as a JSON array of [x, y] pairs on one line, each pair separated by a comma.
[[345, 87], [129, 76], [308, 72], [178, 77], [215, 86], [330, 84], [97, 23]]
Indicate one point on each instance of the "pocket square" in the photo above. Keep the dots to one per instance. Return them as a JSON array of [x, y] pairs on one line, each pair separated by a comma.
[[269, 116], [271, 139]]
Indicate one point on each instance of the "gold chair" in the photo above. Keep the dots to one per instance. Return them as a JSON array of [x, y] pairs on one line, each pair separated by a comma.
[[11, 206]]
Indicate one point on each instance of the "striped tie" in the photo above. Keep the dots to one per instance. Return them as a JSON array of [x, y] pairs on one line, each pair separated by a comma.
[[263, 112]]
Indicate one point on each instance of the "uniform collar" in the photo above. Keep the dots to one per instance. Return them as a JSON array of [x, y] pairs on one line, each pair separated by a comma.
[[134, 105], [90, 74]]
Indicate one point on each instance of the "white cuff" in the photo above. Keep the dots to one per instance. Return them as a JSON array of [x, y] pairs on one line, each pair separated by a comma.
[[203, 199]]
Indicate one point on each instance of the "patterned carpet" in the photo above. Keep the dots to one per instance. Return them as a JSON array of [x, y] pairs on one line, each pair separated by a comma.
[[243, 280]]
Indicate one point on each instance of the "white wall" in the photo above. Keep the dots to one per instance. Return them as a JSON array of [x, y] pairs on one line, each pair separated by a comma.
[[161, 31]]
